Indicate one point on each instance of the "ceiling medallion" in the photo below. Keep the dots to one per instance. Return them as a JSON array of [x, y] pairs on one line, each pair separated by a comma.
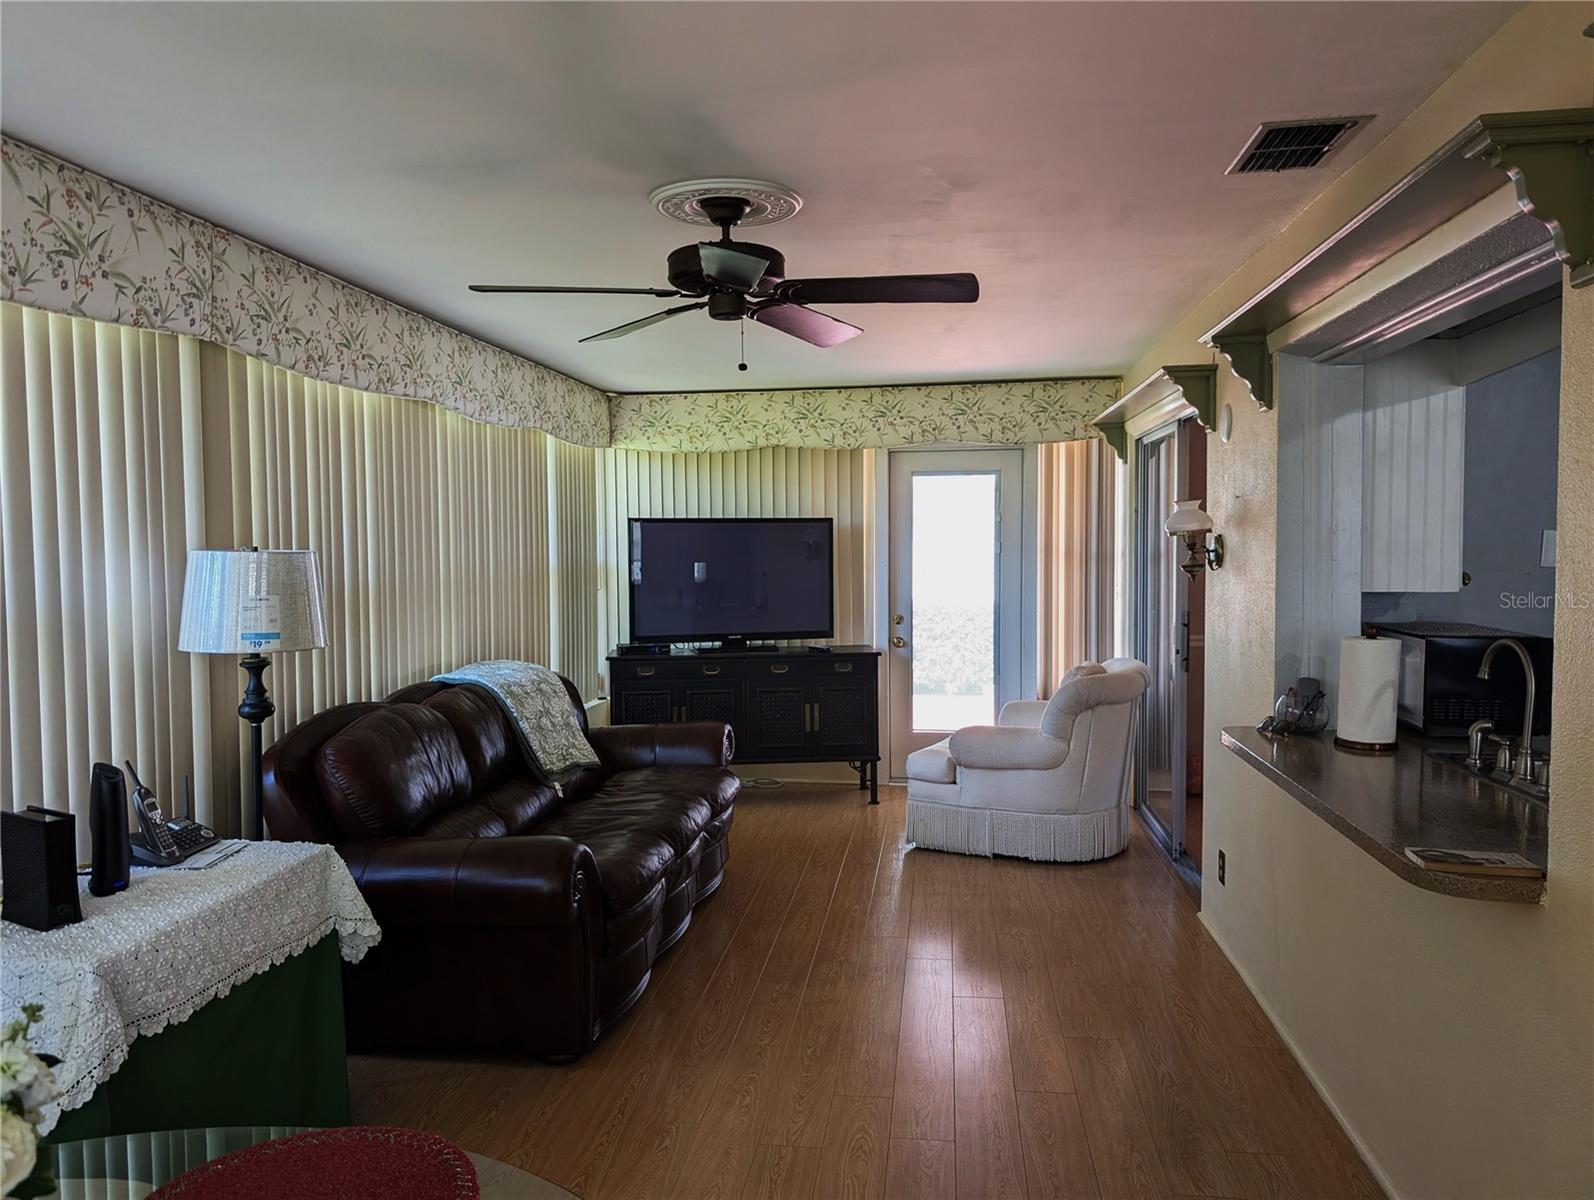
[[770, 202]]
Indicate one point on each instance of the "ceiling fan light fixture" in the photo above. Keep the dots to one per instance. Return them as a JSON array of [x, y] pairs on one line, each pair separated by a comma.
[[767, 202]]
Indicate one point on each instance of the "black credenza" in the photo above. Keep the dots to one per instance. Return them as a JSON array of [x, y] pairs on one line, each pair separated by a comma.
[[786, 706]]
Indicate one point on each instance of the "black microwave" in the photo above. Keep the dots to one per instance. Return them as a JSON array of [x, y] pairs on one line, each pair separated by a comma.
[[1440, 692]]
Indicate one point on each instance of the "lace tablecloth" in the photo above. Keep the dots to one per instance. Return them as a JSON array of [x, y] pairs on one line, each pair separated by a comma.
[[175, 940]]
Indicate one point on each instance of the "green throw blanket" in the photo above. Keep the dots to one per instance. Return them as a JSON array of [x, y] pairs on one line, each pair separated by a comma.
[[535, 700]]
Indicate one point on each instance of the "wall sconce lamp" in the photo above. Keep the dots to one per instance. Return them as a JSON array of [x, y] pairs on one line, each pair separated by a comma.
[[1192, 524]]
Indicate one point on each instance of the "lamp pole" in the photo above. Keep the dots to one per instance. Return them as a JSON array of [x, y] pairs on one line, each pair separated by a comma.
[[257, 709]]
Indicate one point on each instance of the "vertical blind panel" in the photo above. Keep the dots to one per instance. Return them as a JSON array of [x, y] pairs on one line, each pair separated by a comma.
[[122, 449], [101, 447], [573, 496], [1078, 484], [769, 482], [431, 530]]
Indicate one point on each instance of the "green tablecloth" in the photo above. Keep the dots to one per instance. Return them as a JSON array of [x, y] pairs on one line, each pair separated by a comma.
[[270, 1052]]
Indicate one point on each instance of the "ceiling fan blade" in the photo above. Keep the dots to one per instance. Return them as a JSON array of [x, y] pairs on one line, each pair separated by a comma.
[[643, 323], [730, 268], [958, 288], [815, 328], [662, 293]]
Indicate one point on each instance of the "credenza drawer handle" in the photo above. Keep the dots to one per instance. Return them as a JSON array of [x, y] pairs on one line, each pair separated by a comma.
[[843, 667], [711, 670], [778, 669], [646, 671]]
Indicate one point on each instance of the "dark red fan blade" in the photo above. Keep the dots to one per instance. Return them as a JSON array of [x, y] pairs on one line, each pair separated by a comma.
[[644, 322], [958, 288], [662, 293], [815, 328]]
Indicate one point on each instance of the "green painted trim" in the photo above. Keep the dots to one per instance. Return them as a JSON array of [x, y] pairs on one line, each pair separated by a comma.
[[1196, 382], [1250, 360], [1116, 436], [1199, 383], [1115, 417], [1550, 159]]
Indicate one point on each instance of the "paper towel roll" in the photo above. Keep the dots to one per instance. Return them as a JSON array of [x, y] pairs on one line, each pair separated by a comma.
[[1369, 691]]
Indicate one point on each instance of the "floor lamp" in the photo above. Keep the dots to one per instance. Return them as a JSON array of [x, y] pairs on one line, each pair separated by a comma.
[[252, 602]]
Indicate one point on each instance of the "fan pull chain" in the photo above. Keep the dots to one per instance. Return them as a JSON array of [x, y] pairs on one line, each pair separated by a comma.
[[741, 328]]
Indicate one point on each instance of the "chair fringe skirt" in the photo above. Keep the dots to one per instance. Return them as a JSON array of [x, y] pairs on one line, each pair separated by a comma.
[[1044, 837]]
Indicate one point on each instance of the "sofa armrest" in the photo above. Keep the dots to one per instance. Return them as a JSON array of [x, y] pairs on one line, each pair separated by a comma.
[[1005, 748], [533, 881], [688, 744], [1022, 714]]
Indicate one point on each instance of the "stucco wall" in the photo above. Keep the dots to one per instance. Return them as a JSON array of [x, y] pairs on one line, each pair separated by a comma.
[[1454, 1038]]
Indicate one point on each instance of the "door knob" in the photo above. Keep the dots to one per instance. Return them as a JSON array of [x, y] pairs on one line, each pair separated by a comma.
[[899, 641]]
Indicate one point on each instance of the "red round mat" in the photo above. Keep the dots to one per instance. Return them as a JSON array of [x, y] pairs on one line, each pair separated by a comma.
[[334, 1164]]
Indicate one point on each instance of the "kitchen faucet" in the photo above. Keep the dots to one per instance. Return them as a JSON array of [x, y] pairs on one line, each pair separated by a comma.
[[1524, 760]]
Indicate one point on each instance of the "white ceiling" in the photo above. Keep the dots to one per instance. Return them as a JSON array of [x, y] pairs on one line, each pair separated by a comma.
[[1070, 154]]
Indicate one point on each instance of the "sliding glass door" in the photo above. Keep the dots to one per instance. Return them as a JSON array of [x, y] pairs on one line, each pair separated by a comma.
[[1161, 637]]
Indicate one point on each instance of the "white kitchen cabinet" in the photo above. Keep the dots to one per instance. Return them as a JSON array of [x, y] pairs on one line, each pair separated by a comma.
[[1414, 424]]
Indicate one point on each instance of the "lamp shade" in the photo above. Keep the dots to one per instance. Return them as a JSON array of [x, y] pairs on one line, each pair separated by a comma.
[[252, 602], [1187, 517]]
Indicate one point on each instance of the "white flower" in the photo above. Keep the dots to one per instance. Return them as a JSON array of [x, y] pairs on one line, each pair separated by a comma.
[[19, 1149], [18, 1067], [39, 1090]]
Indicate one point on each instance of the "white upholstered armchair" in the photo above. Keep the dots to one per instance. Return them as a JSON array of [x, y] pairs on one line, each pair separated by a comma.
[[1049, 781]]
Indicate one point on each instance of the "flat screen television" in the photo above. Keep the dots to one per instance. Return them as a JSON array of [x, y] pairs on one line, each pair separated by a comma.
[[733, 579]]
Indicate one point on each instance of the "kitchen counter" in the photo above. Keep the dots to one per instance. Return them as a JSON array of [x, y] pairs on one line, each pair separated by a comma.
[[1384, 803]]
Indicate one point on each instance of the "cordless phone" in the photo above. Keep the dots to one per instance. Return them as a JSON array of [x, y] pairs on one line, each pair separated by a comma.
[[163, 843]]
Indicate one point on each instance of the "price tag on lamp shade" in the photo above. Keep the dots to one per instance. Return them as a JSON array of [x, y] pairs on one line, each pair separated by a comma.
[[260, 621]]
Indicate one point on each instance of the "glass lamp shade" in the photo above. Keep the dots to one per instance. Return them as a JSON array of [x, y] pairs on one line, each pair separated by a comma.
[[252, 602], [1187, 518]]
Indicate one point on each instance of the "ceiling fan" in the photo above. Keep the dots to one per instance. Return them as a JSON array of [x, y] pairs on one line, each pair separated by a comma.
[[734, 280]]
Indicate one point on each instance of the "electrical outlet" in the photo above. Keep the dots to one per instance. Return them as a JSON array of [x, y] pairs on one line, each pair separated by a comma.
[[1223, 865]]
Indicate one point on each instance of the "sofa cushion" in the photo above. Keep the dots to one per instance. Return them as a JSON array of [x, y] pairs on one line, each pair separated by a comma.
[[473, 819], [522, 801], [483, 731], [631, 862], [391, 772], [715, 787], [933, 764], [638, 823]]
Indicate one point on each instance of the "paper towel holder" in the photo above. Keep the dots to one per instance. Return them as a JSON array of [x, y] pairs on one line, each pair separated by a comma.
[[1351, 746], [1190, 522]]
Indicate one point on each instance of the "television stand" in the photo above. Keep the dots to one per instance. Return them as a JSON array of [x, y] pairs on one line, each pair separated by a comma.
[[784, 705]]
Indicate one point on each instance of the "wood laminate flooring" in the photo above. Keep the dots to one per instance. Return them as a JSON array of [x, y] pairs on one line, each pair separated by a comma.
[[850, 1018]]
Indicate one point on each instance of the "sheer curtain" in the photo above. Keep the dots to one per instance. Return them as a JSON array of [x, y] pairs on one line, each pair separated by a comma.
[[120, 449], [1078, 490]]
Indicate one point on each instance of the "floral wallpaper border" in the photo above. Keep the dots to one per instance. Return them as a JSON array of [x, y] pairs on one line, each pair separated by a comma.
[[76, 242], [1017, 413]]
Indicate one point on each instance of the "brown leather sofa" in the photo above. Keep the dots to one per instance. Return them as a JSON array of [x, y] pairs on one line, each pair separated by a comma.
[[512, 917]]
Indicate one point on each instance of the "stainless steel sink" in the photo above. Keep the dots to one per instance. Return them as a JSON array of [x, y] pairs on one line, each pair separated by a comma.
[[1487, 772]]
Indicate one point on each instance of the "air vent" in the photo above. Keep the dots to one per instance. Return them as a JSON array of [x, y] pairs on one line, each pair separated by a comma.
[[1293, 145]]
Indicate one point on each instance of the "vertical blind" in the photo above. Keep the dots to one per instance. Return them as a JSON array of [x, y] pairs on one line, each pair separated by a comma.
[[121, 449], [1078, 486], [573, 559], [775, 482]]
